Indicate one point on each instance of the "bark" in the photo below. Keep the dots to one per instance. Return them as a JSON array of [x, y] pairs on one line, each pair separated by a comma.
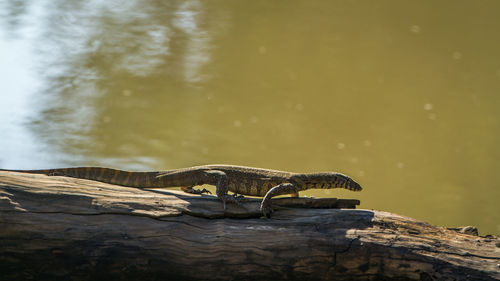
[[57, 228]]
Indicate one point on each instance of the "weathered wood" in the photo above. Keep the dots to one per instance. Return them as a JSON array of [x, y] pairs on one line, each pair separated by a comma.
[[56, 228]]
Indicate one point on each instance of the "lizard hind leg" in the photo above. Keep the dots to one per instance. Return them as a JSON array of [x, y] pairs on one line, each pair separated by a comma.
[[190, 189], [221, 188], [219, 179]]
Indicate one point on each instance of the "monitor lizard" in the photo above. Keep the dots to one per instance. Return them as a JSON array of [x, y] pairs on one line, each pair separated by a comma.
[[238, 179]]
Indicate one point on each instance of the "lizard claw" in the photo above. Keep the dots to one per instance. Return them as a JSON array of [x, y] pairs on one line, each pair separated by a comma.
[[239, 197], [197, 191], [205, 191]]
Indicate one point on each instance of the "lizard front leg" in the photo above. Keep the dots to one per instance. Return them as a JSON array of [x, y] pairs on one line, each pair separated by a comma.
[[281, 189]]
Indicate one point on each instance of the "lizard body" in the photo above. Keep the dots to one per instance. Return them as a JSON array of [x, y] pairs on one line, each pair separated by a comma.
[[238, 179]]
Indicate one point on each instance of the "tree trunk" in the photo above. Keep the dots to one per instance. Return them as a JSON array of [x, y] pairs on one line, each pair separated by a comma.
[[57, 228]]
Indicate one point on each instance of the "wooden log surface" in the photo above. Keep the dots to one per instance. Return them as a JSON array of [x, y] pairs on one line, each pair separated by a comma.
[[58, 228]]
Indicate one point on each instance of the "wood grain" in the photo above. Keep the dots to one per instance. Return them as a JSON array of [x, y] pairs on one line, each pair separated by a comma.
[[57, 228]]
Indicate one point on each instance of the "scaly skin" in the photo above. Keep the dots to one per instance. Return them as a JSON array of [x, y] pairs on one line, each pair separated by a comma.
[[238, 179]]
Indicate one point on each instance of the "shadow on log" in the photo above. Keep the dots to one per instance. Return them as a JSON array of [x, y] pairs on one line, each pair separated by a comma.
[[57, 228]]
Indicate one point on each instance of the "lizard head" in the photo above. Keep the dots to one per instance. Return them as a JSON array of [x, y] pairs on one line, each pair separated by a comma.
[[327, 180]]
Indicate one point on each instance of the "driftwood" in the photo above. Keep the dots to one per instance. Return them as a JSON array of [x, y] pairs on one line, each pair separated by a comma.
[[57, 228]]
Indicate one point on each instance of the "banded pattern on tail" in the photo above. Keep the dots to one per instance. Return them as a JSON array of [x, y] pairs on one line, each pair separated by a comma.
[[106, 175]]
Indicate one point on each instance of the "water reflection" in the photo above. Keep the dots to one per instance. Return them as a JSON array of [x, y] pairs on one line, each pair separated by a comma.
[[406, 104], [102, 59]]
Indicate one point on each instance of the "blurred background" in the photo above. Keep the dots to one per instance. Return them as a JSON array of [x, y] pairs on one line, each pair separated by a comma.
[[403, 96]]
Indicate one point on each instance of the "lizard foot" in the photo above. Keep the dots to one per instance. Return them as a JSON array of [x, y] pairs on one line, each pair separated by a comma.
[[239, 197], [197, 191], [266, 208], [232, 199]]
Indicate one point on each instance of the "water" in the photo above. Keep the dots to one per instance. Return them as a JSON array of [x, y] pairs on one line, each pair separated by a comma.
[[403, 97]]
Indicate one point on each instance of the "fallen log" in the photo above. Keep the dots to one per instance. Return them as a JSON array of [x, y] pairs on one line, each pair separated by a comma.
[[58, 228]]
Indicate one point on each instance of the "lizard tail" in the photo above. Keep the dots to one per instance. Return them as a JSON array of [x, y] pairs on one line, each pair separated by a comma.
[[106, 175]]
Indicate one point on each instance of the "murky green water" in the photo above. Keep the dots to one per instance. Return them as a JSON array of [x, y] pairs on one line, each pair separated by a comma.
[[404, 96]]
